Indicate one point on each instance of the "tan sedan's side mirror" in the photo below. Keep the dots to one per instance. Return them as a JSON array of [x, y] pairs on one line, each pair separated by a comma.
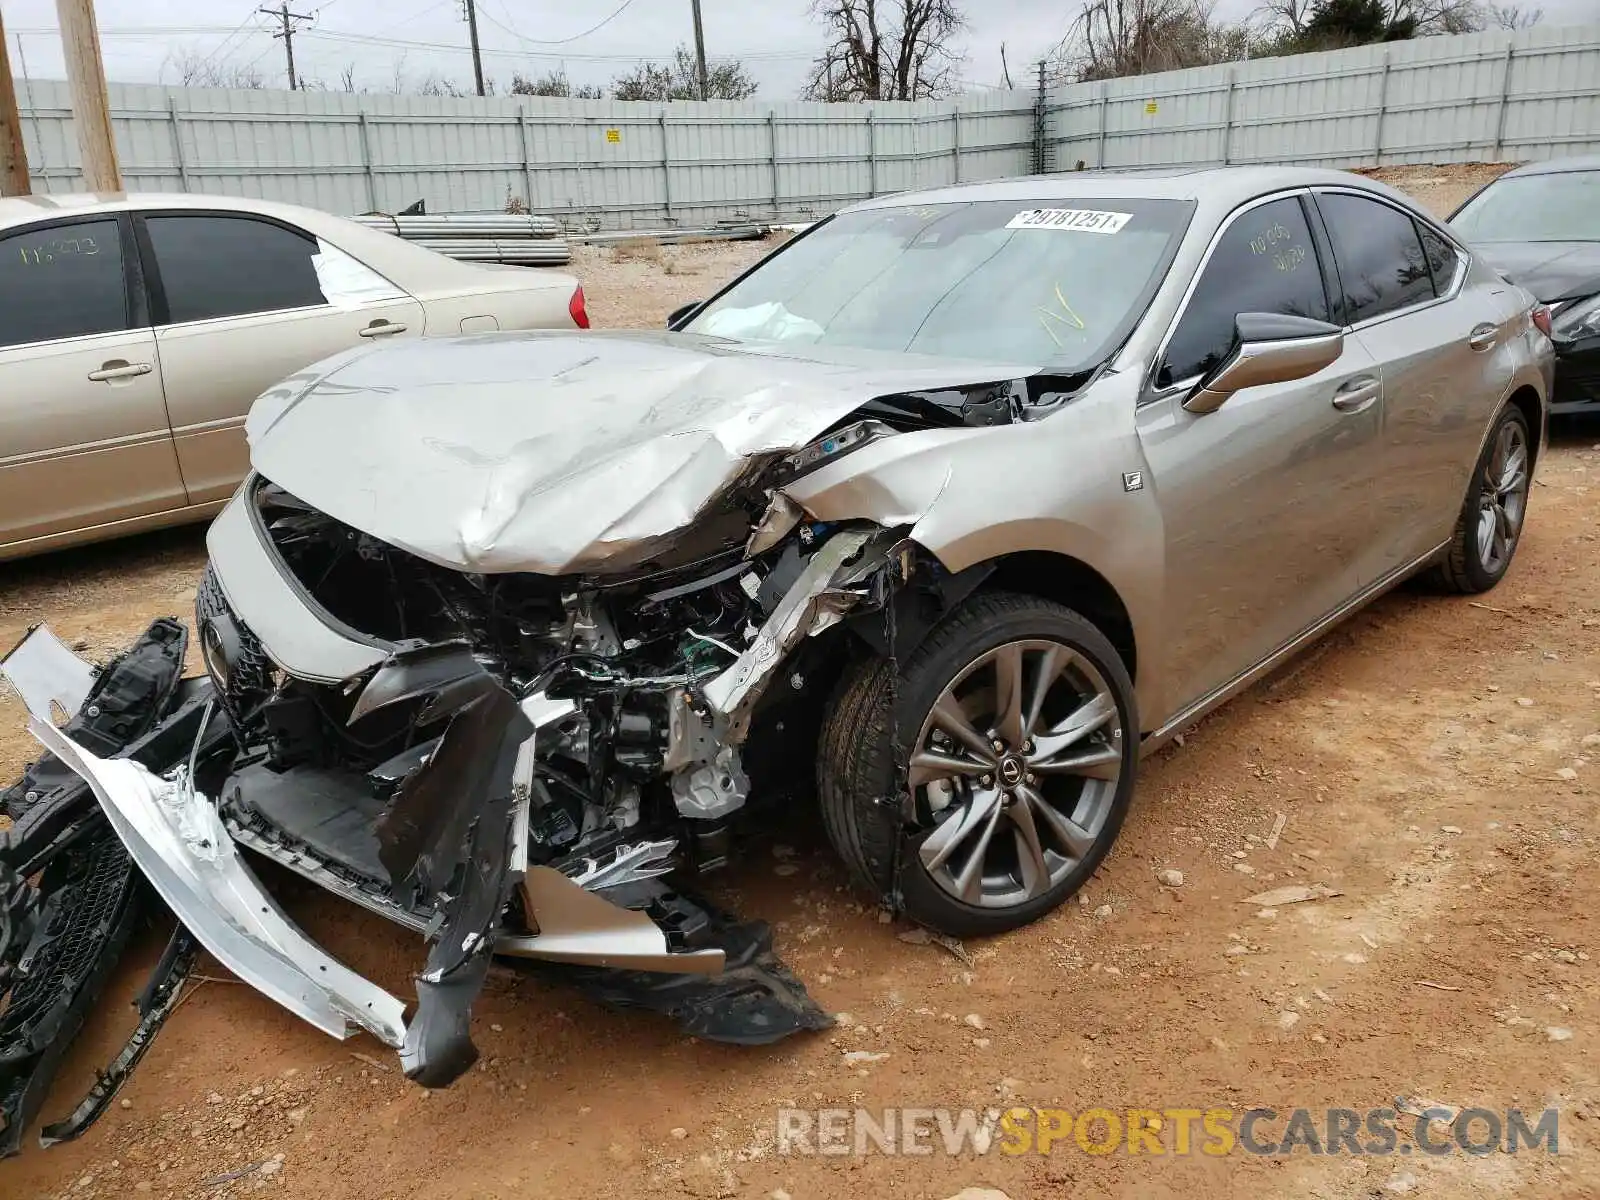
[[1268, 348]]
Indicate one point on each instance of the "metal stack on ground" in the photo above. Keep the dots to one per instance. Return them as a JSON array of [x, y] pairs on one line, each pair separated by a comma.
[[517, 239]]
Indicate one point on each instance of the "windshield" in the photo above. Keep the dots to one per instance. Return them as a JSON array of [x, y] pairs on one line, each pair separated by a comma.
[[1561, 207], [997, 280]]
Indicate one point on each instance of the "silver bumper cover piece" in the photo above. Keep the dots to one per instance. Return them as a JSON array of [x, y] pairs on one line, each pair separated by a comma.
[[174, 836]]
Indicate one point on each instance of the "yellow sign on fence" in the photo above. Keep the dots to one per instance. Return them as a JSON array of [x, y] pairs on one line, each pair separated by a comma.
[[613, 136]]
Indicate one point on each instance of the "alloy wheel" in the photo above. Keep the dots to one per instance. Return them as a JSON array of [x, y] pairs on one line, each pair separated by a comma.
[[1018, 761], [1504, 498]]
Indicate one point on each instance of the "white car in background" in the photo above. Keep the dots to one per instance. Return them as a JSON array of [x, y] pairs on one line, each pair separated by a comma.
[[136, 331]]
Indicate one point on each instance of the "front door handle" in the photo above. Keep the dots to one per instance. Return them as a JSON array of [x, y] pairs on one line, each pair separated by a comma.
[[1484, 336], [119, 368], [383, 329], [1358, 394]]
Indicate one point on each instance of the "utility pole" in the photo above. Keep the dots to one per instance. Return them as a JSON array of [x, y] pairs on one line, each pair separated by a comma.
[[477, 56], [13, 155], [700, 52], [91, 109], [285, 31]]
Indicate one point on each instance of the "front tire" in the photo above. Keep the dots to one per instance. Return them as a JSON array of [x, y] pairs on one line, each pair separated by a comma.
[[1490, 525], [1017, 725]]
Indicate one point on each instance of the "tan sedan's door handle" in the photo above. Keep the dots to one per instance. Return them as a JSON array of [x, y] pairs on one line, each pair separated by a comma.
[[119, 368], [1356, 395], [383, 329], [1484, 336]]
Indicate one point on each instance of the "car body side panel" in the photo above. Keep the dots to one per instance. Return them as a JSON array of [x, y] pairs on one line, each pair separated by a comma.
[[215, 370], [1439, 396], [1266, 504], [76, 451], [972, 496], [537, 303]]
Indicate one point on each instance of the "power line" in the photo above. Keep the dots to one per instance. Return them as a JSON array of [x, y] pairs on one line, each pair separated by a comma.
[[620, 9], [165, 32], [335, 35], [217, 49]]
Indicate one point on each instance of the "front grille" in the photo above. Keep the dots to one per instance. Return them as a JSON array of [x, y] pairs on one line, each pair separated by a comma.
[[246, 679], [95, 886]]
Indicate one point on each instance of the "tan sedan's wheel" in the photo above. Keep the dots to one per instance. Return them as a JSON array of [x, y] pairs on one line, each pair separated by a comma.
[[1016, 726]]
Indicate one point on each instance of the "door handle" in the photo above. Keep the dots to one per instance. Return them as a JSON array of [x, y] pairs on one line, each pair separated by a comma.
[[1484, 336], [119, 368], [1355, 395], [383, 329]]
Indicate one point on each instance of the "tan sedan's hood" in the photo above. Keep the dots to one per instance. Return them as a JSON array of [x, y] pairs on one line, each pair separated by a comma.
[[556, 453]]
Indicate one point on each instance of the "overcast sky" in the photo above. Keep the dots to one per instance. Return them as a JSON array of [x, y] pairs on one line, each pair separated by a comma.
[[776, 38]]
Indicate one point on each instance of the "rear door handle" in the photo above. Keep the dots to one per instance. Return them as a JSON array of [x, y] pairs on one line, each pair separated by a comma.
[[1355, 395], [119, 368], [1484, 336], [383, 329]]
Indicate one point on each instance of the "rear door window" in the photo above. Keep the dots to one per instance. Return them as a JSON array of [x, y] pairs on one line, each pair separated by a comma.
[[1382, 267], [1265, 262], [62, 281], [225, 266], [1442, 258]]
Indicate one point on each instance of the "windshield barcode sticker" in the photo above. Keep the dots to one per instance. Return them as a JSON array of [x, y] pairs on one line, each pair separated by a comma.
[[1078, 220]]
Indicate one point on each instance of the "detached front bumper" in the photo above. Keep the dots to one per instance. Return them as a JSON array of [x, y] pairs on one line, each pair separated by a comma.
[[176, 839], [179, 841]]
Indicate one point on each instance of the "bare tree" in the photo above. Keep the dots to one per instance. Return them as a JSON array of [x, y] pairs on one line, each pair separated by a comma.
[[195, 69], [435, 84], [1512, 16], [886, 50], [1285, 16], [1428, 17], [347, 79], [726, 79], [552, 83], [1113, 38]]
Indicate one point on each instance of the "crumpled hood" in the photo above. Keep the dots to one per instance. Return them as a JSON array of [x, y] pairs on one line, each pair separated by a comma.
[[1552, 271], [557, 453]]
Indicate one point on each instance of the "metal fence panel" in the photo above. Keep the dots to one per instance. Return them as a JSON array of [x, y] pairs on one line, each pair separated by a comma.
[[613, 164], [1494, 96]]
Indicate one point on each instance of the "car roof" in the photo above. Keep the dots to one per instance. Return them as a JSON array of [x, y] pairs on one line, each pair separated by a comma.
[[1221, 188], [19, 210], [402, 262], [1557, 166]]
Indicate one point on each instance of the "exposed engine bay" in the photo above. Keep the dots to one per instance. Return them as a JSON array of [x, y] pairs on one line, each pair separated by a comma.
[[515, 766]]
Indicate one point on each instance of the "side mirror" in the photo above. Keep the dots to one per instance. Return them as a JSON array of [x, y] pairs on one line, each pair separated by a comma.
[[1268, 348], [680, 316]]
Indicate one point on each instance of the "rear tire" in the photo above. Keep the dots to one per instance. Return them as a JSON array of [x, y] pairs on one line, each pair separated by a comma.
[[1490, 525], [1018, 719]]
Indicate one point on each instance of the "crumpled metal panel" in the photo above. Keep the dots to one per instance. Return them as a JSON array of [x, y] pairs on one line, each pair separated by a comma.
[[557, 454], [176, 838]]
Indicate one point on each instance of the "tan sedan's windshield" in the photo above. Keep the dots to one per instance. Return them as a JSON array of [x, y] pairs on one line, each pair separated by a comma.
[[996, 279]]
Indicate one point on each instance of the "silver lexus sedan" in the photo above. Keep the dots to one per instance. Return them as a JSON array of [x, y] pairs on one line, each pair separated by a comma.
[[938, 518]]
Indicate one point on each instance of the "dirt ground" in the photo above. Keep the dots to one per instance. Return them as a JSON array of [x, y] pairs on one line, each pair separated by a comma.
[[1433, 766]]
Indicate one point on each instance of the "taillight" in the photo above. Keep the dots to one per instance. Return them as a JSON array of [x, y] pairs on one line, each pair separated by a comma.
[[1541, 317], [580, 315]]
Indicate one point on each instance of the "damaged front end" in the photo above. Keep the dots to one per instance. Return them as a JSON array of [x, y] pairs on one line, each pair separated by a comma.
[[517, 731]]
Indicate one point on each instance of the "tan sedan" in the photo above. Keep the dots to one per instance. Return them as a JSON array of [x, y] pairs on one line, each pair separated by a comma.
[[135, 331]]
